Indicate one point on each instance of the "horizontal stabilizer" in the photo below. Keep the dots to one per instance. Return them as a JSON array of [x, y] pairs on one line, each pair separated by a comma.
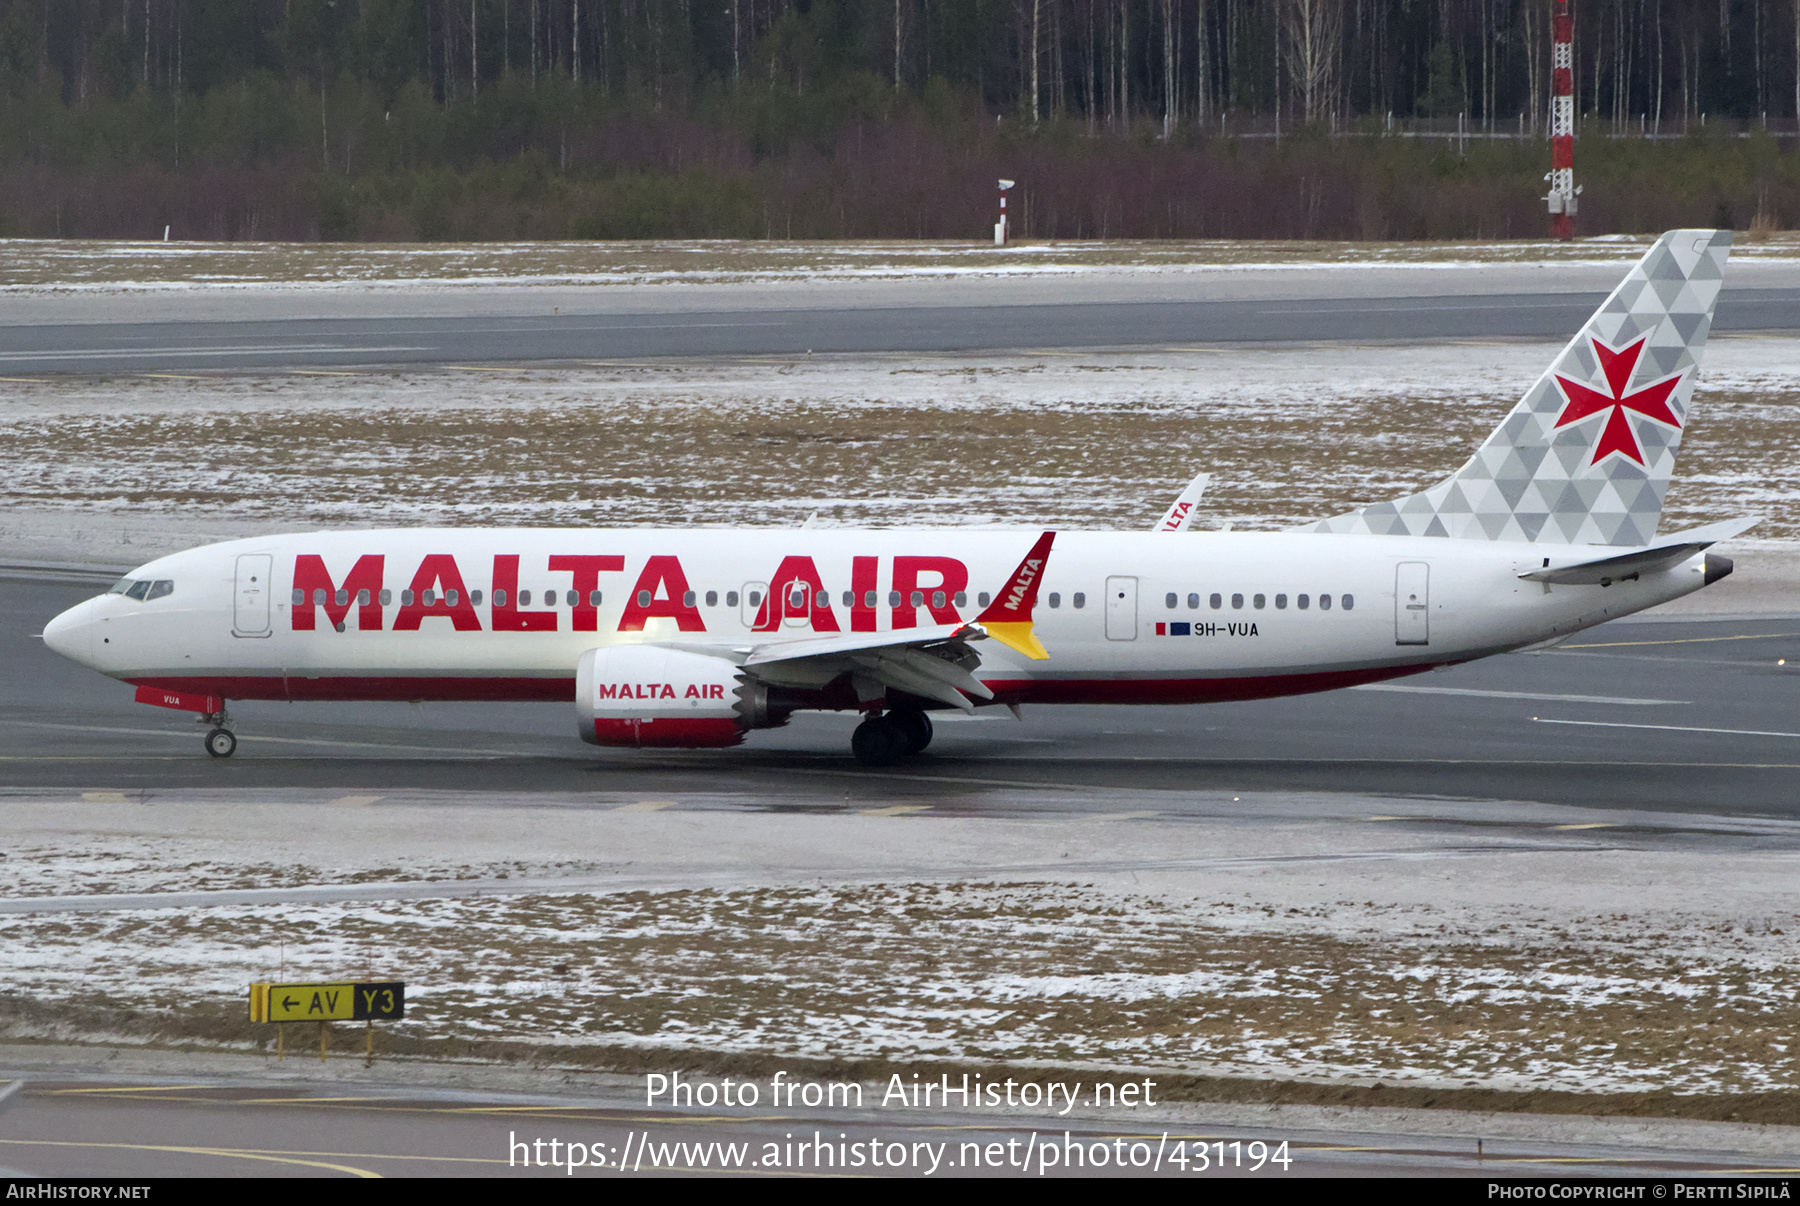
[[1668, 551]]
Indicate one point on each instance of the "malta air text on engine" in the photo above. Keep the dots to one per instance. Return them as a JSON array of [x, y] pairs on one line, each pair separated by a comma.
[[658, 691], [920, 590]]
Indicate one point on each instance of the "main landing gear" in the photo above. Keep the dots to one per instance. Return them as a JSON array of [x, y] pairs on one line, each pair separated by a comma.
[[883, 740], [220, 741]]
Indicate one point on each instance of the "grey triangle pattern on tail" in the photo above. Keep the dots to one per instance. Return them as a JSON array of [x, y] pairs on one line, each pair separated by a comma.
[[1533, 480]]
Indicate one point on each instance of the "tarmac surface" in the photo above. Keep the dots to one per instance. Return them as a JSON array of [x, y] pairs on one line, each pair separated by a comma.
[[290, 1123], [1677, 714], [1672, 734], [189, 345]]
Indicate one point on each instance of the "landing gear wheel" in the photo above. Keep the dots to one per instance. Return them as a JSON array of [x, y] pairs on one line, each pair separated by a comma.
[[878, 741], [220, 743], [915, 725]]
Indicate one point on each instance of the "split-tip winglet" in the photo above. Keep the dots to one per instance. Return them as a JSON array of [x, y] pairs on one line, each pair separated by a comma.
[[1008, 618]]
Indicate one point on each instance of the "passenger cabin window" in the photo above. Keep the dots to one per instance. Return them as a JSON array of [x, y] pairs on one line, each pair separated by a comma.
[[1169, 602], [643, 598], [1079, 599], [1237, 602], [1257, 601], [524, 598], [1324, 602], [983, 599], [1216, 602], [731, 598], [594, 597], [1193, 602], [387, 597], [1302, 601], [1349, 601], [362, 598], [1280, 602], [870, 598], [893, 598], [499, 598], [1055, 599], [689, 599], [849, 599], [712, 598], [406, 598], [962, 598], [937, 598]]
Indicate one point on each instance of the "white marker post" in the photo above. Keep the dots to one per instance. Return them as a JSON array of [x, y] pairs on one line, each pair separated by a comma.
[[1000, 228]]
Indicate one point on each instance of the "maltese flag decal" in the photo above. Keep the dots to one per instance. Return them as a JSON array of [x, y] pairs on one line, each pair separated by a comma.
[[1652, 402]]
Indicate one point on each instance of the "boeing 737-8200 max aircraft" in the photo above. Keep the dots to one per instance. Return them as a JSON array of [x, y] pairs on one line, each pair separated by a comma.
[[695, 637]]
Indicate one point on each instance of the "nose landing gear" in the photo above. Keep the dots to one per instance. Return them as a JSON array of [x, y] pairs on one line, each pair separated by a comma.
[[220, 741], [883, 740]]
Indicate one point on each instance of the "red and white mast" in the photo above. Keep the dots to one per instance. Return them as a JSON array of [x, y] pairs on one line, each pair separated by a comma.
[[1562, 122]]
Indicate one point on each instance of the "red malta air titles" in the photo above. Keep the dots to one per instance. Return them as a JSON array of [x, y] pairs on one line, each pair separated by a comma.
[[695, 638]]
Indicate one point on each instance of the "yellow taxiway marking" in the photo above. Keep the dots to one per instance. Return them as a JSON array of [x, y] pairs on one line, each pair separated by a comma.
[[648, 806], [1589, 825], [127, 1089], [1392, 818], [354, 801], [1751, 636], [103, 797], [26, 380], [227, 1152], [892, 810]]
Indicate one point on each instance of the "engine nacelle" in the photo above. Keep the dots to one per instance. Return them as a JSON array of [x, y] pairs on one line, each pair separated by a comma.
[[644, 695]]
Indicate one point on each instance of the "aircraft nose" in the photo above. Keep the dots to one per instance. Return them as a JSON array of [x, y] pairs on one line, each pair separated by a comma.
[[72, 633]]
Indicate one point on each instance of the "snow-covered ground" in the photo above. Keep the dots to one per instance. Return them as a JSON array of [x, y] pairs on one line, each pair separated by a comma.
[[1082, 439], [115, 470], [1291, 938], [80, 265]]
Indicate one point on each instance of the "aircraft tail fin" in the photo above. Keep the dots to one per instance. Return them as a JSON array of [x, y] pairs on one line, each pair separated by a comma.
[[1587, 454]]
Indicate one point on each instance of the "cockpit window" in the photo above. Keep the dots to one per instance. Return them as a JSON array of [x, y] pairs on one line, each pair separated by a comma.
[[143, 589]]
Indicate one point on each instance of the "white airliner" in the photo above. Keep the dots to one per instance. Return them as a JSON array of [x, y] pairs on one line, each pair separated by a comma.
[[692, 638]]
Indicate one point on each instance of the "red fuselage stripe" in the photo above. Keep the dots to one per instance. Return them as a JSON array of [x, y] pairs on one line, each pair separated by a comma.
[[562, 690]]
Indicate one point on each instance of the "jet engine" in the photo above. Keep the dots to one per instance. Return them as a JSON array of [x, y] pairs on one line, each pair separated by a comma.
[[645, 695]]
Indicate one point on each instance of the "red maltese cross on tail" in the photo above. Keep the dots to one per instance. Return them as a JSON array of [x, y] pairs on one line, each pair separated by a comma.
[[1652, 401]]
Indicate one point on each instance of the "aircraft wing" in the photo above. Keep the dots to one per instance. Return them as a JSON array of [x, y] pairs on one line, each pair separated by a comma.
[[1659, 555], [933, 662]]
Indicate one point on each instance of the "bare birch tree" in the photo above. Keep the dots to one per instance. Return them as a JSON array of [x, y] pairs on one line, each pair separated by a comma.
[[1314, 39]]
